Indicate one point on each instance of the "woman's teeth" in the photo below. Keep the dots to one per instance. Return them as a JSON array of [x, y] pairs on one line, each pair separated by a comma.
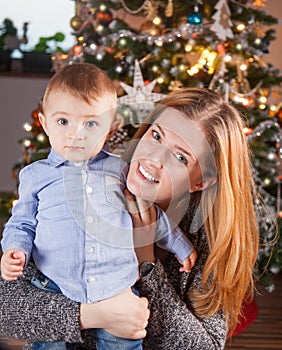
[[147, 175]]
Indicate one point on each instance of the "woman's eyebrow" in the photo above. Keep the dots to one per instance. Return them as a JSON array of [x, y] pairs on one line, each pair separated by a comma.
[[161, 130], [189, 154]]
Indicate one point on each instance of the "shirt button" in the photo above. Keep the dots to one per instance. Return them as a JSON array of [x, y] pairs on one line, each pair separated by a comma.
[[88, 300], [89, 189], [91, 279], [90, 250], [90, 219]]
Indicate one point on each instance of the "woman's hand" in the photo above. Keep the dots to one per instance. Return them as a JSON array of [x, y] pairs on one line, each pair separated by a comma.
[[124, 315], [143, 216]]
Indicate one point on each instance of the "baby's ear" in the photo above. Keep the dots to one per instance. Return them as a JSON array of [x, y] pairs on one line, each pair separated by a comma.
[[118, 122], [42, 120]]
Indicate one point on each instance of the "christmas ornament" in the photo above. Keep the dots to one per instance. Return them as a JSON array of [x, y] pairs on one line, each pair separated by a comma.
[[150, 28], [134, 12], [259, 3], [139, 92], [258, 29], [75, 23], [240, 84], [222, 22], [81, 13], [195, 17], [104, 17], [140, 96], [175, 85], [150, 9], [169, 9]]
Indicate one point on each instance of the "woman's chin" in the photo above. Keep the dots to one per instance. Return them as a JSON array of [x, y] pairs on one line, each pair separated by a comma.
[[133, 189]]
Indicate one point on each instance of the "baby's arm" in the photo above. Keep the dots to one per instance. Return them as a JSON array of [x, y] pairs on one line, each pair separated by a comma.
[[175, 241], [189, 262], [12, 264]]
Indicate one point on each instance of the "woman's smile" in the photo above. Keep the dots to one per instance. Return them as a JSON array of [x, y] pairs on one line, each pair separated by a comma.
[[146, 174]]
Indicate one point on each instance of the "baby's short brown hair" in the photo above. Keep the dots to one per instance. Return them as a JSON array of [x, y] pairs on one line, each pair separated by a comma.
[[83, 80]]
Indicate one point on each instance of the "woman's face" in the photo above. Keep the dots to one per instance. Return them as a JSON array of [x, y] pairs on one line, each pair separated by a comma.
[[168, 160]]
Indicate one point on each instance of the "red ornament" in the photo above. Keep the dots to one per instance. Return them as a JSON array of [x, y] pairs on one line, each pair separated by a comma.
[[220, 49], [104, 17]]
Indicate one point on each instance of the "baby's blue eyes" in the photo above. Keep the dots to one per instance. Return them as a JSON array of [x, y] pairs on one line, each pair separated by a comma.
[[90, 124], [63, 121]]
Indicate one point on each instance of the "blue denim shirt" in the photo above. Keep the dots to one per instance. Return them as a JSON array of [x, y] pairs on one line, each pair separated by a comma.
[[72, 219]]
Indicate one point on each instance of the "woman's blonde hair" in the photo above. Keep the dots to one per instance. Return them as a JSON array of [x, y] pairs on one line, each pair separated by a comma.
[[230, 223]]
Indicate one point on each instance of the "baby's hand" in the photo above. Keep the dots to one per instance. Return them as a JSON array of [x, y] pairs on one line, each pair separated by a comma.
[[12, 264], [189, 262]]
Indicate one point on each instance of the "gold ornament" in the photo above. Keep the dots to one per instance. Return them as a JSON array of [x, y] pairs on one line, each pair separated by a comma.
[[240, 84], [150, 9], [175, 85], [150, 28], [259, 29], [169, 9], [75, 23], [259, 3]]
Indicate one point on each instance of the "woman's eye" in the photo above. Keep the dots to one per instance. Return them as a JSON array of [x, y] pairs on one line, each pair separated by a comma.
[[181, 158], [62, 121], [91, 124], [156, 135]]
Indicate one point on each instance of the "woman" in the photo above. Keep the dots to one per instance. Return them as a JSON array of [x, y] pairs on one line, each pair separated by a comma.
[[192, 154]]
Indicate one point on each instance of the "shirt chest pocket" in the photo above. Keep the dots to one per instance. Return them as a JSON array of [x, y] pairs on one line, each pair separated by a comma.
[[59, 201]]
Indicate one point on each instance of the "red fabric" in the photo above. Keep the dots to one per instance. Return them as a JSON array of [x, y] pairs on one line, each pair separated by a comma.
[[250, 312]]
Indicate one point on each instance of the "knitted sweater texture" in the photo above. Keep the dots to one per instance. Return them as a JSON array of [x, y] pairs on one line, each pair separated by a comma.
[[31, 314]]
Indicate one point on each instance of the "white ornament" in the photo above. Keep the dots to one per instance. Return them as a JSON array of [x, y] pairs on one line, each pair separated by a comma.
[[140, 96], [222, 23]]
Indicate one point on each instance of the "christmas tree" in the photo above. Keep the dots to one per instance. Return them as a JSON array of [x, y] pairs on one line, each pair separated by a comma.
[[149, 48]]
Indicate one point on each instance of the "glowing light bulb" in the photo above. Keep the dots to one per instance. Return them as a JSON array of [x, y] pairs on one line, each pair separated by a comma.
[[243, 67], [188, 47], [26, 143], [240, 27], [157, 21], [102, 7], [27, 127]]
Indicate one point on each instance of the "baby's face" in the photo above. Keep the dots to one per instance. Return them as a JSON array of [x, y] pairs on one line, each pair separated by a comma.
[[77, 130]]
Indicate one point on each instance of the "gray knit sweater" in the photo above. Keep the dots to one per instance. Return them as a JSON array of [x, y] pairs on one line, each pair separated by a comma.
[[31, 314]]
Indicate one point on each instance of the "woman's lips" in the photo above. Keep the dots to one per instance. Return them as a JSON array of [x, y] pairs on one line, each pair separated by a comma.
[[146, 174]]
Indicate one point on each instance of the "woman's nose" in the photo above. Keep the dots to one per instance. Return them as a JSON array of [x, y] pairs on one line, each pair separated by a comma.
[[76, 133], [154, 163]]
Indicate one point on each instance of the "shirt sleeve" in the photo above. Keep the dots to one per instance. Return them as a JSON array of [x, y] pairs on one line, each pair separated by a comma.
[[19, 231], [172, 324], [172, 239]]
